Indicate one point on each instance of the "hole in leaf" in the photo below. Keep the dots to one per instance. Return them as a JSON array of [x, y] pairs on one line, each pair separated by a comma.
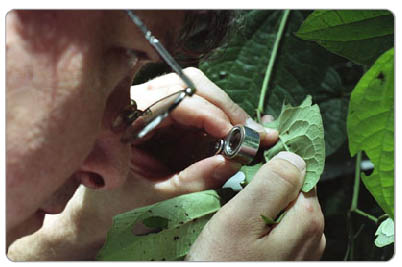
[[381, 76], [153, 224]]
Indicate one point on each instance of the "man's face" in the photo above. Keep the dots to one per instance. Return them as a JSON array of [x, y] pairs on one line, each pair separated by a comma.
[[68, 75]]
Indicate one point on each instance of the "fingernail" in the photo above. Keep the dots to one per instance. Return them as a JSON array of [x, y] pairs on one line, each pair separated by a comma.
[[271, 131], [258, 127], [254, 125], [292, 158], [267, 118]]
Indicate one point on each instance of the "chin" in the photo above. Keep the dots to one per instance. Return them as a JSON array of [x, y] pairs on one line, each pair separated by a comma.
[[27, 227]]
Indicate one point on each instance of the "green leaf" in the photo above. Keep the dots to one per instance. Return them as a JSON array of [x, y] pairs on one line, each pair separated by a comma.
[[359, 35], [301, 132], [301, 68], [268, 221], [172, 226], [249, 172], [156, 222], [385, 233], [370, 128]]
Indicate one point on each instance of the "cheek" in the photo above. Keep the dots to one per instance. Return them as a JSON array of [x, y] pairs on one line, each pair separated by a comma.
[[51, 128]]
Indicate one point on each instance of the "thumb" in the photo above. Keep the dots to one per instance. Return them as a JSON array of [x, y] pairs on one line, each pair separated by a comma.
[[273, 188], [208, 173]]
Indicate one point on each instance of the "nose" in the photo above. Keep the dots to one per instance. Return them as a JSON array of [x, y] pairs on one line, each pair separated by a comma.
[[107, 165]]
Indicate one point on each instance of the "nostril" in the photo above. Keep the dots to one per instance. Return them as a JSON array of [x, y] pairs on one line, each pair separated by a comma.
[[92, 180]]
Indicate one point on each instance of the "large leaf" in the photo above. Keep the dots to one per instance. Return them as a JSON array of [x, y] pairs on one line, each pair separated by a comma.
[[359, 35], [172, 226], [301, 132], [370, 128], [301, 68]]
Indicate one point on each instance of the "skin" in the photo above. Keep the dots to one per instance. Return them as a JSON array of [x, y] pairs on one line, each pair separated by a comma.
[[68, 76], [63, 90]]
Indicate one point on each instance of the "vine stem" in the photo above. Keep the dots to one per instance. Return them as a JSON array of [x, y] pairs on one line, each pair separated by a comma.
[[268, 72], [353, 206], [356, 189], [356, 186]]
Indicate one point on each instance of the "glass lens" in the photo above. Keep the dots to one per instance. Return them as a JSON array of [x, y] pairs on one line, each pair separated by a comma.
[[152, 116]]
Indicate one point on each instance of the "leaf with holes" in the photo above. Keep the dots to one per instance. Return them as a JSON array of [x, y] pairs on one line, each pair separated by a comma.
[[301, 131], [370, 127], [162, 231]]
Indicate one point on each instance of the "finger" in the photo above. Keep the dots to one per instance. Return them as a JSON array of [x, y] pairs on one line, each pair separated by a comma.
[[212, 93], [274, 186], [268, 136], [199, 113], [267, 119], [304, 224], [314, 253], [193, 111], [206, 174], [206, 89]]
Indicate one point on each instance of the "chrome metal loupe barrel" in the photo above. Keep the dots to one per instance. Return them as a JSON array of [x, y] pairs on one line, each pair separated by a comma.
[[241, 144]]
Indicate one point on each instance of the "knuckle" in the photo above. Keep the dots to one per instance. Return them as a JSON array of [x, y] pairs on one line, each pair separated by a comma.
[[234, 108], [194, 73], [286, 172], [315, 225]]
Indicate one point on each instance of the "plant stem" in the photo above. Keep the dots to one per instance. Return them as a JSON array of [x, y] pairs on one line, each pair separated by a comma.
[[369, 216], [260, 108], [356, 186]]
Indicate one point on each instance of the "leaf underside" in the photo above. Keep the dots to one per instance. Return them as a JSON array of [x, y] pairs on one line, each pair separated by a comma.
[[301, 68], [300, 131], [385, 233], [173, 225]]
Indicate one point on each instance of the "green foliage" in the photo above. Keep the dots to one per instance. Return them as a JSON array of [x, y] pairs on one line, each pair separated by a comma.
[[359, 35], [249, 172], [269, 221], [301, 68], [300, 131], [371, 127], [172, 226], [385, 233]]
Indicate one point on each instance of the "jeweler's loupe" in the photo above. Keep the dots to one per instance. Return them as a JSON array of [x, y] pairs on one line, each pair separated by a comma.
[[241, 144]]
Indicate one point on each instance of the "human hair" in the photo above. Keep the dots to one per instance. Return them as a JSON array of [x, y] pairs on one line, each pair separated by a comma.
[[203, 31]]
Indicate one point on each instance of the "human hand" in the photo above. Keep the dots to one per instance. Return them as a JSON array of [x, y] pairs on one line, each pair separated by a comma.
[[167, 170], [83, 225], [237, 231]]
